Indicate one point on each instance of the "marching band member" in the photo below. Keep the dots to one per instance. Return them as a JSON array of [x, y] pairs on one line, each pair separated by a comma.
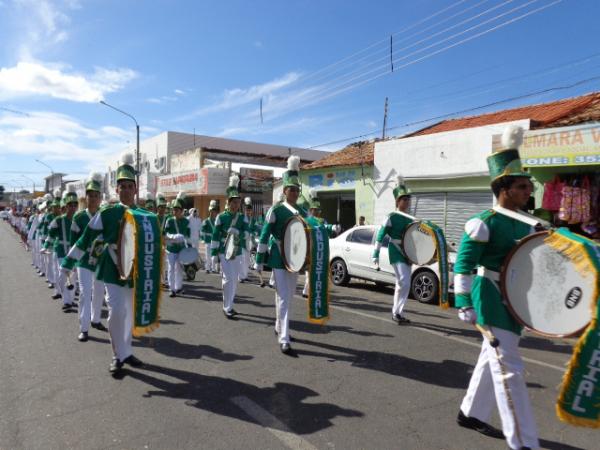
[[394, 226], [229, 222], [161, 212], [107, 222], [49, 260], [91, 289], [251, 225], [59, 234], [150, 203], [177, 231], [285, 282], [208, 228], [488, 238]]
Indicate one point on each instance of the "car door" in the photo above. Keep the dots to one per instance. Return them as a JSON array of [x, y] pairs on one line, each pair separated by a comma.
[[358, 250]]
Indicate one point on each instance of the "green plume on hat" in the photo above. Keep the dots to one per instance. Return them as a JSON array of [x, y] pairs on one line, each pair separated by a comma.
[[400, 190], [290, 176], [507, 161], [126, 171], [94, 182], [232, 189], [178, 201]]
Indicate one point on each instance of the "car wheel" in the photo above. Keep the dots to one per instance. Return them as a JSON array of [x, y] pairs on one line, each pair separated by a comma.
[[339, 272], [424, 286]]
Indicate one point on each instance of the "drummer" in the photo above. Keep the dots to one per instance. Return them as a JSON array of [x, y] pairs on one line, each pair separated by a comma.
[[285, 282], [394, 226], [107, 222], [251, 226], [229, 222], [91, 289], [177, 232], [488, 238], [161, 212], [207, 230]]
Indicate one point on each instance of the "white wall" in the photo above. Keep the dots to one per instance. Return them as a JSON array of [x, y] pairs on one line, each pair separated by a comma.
[[450, 154]]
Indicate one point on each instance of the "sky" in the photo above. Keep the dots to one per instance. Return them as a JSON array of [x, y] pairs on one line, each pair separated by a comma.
[[321, 68]]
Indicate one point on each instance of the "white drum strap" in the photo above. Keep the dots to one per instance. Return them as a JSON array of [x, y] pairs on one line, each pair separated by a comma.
[[397, 243], [291, 208], [522, 217], [408, 216]]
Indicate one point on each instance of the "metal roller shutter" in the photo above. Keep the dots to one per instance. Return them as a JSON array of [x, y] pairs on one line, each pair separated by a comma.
[[460, 207], [429, 207]]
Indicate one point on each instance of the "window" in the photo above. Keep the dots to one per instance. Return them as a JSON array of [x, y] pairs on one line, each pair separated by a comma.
[[361, 236]]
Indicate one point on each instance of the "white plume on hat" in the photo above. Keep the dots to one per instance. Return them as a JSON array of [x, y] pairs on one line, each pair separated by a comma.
[[234, 180], [312, 193], [71, 187], [48, 196], [512, 137], [248, 201], [180, 195], [293, 162], [96, 176], [149, 196], [399, 181], [57, 193], [212, 203], [127, 158]]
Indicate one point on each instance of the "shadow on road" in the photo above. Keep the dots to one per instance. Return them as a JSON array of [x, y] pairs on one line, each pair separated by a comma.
[[175, 349], [210, 393]]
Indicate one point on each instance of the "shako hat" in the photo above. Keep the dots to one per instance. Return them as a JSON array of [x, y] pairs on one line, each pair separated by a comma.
[[507, 161]]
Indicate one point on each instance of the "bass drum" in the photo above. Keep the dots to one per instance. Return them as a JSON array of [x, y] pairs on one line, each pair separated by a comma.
[[188, 255], [295, 244], [231, 246], [418, 245], [543, 289], [126, 249]]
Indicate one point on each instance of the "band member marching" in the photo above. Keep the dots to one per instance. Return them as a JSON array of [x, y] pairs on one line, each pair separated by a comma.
[[285, 282], [91, 289], [488, 238], [208, 228], [150, 203], [161, 213], [119, 292], [251, 225], [177, 232], [49, 257], [394, 226], [229, 226]]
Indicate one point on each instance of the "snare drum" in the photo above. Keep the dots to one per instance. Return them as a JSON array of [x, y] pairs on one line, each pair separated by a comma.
[[418, 245], [188, 255], [231, 246], [295, 244], [543, 289]]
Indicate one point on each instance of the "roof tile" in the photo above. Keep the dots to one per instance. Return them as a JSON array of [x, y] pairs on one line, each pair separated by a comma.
[[353, 155]]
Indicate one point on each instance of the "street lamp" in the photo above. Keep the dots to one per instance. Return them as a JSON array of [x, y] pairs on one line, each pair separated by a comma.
[[52, 173], [137, 149]]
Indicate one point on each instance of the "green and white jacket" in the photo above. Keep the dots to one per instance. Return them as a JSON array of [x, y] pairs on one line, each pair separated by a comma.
[[394, 226], [207, 230], [272, 233], [174, 227], [488, 238], [81, 219], [106, 222], [59, 236], [225, 223]]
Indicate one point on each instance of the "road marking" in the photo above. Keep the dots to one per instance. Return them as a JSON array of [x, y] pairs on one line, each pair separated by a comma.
[[271, 423]]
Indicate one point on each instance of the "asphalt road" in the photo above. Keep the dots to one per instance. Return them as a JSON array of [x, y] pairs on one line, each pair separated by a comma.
[[360, 382]]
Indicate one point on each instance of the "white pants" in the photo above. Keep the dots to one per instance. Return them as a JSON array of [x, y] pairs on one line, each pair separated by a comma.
[[272, 279], [175, 274], [120, 319], [49, 267], [285, 288], [229, 279], [305, 288], [402, 272], [208, 265], [61, 286], [91, 294], [244, 264], [487, 385]]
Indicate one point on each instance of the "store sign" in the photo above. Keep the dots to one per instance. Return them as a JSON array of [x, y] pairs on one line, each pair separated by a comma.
[[334, 180], [256, 180], [206, 181], [568, 146]]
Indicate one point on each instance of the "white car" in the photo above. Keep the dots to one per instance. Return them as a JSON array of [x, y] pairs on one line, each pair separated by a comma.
[[350, 257]]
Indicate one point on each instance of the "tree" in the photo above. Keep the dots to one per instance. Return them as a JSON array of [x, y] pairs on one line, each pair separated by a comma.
[[1, 192]]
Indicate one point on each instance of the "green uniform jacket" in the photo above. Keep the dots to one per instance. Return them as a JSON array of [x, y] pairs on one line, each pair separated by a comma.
[[224, 225], [488, 238], [81, 219], [175, 226], [271, 234], [107, 222], [207, 230], [48, 217], [162, 220], [59, 236], [394, 227]]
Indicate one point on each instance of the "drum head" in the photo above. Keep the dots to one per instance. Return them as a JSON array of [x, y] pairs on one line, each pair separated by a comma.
[[126, 249], [418, 245], [188, 255], [543, 289], [230, 247], [294, 245]]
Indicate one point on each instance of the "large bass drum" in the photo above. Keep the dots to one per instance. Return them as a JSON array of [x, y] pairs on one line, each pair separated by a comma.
[[543, 289], [295, 244], [231, 246], [418, 245], [188, 255]]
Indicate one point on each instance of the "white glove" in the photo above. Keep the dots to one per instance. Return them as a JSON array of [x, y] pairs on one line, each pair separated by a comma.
[[258, 267], [467, 315]]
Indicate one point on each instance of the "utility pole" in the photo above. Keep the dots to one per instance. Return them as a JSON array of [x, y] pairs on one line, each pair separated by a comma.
[[385, 111]]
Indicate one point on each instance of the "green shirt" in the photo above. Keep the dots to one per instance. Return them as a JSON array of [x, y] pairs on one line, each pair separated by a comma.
[[488, 238], [207, 230], [173, 227], [81, 219], [228, 222], [59, 235], [394, 226]]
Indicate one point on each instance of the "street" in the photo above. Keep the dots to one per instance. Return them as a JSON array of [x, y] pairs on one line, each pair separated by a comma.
[[360, 382]]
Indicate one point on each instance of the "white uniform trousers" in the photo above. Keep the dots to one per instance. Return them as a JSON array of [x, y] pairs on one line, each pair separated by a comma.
[[487, 385], [208, 265], [120, 319], [48, 267], [285, 288], [91, 295], [36, 253], [175, 273], [272, 279], [244, 264], [402, 272], [306, 280], [61, 286], [229, 279]]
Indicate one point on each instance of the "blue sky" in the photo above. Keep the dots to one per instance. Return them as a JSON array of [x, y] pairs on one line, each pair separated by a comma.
[[321, 67]]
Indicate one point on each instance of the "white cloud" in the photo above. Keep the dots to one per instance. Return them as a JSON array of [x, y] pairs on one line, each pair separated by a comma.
[[161, 100], [36, 79], [179, 92]]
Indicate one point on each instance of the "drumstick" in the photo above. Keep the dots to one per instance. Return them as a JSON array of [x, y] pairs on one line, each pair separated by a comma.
[[494, 342]]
